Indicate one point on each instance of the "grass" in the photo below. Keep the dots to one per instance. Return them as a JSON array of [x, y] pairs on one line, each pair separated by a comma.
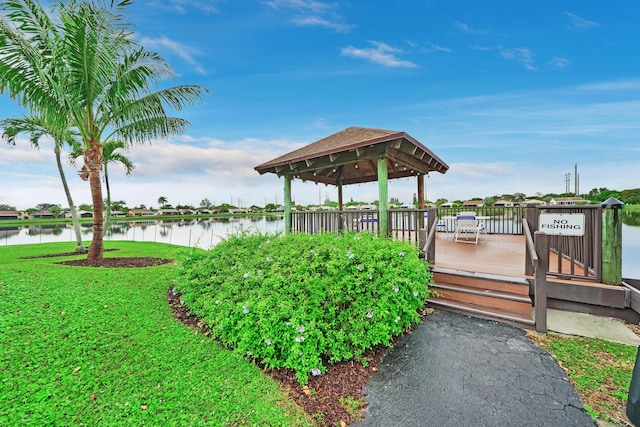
[[600, 371], [94, 346]]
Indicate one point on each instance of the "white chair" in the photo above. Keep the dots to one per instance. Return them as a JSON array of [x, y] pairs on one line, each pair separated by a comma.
[[465, 226]]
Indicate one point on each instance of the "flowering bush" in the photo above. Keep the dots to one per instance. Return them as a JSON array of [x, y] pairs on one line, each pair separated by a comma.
[[300, 301]]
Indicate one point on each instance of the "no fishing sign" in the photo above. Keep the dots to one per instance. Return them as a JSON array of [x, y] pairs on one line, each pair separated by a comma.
[[562, 224]]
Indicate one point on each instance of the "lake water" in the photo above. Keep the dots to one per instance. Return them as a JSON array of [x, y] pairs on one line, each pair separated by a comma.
[[206, 233]]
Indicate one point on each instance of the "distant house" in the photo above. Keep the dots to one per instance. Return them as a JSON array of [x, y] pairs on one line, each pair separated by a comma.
[[238, 210], [473, 204], [568, 201], [85, 214], [9, 215], [449, 205], [118, 213], [42, 215], [141, 212], [187, 212], [168, 212], [533, 202], [503, 204]]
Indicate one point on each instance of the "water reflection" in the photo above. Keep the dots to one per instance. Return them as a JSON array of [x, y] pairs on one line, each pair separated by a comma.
[[201, 232], [207, 232]]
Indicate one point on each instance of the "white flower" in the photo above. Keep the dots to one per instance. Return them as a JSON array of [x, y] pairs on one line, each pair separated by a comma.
[[267, 341], [350, 255], [300, 329], [299, 338], [245, 310], [369, 314], [397, 319], [268, 259], [415, 293], [315, 372], [401, 254], [246, 275], [218, 302], [259, 246], [395, 288]]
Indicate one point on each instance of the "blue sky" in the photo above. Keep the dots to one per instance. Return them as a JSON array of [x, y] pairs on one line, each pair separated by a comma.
[[509, 94]]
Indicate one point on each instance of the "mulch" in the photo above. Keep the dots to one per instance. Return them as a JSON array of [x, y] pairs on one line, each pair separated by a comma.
[[115, 262], [320, 398], [322, 395]]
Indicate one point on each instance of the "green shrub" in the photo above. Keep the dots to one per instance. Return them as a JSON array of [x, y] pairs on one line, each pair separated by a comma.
[[300, 301]]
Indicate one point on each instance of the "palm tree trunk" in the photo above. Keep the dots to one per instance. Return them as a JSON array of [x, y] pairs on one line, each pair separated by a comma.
[[106, 182], [74, 214], [93, 162]]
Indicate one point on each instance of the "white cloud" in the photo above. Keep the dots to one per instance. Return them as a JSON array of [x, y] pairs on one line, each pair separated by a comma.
[[466, 28], [381, 53], [577, 22], [182, 6], [560, 62], [311, 13], [308, 5], [185, 52], [521, 55], [427, 47], [316, 21]]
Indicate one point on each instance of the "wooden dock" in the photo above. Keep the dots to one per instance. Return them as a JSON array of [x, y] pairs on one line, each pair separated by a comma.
[[488, 280]]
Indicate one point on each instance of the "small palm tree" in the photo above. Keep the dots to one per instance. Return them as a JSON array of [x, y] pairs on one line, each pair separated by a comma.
[[85, 68], [162, 201], [37, 127], [110, 155]]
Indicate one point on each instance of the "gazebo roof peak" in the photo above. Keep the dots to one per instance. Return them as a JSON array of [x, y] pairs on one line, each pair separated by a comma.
[[350, 156]]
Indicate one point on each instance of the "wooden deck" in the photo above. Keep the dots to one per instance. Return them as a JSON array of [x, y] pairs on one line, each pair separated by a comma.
[[500, 254]]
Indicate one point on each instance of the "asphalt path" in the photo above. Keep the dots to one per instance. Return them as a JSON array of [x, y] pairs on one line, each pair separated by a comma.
[[455, 370]]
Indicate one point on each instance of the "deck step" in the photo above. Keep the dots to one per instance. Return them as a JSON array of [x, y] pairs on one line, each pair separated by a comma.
[[482, 281], [489, 296], [479, 311]]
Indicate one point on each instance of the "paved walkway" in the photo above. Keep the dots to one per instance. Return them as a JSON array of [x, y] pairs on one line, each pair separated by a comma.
[[455, 370]]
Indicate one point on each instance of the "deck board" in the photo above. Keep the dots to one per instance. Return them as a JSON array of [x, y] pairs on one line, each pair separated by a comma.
[[495, 254], [501, 254]]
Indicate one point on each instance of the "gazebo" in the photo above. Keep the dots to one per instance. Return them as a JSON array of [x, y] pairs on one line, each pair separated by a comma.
[[353, 156]]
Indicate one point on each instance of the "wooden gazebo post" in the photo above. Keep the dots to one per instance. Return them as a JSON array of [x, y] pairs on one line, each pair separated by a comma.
[[420, 179], [340, 205], [383, 196], [287, 203]]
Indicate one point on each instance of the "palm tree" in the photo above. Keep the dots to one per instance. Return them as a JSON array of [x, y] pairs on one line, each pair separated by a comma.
[[110, 155], [88, 70], [37, 127], [162, 201]]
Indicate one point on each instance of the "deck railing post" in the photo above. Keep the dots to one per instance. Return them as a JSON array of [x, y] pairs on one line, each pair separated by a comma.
[[540, 283], [612, 242]]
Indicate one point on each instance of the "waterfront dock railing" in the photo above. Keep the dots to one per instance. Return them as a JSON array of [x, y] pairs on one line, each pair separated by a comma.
[[403, 223], [577, 257]]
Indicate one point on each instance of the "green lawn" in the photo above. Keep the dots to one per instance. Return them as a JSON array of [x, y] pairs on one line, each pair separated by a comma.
[[93, 346]]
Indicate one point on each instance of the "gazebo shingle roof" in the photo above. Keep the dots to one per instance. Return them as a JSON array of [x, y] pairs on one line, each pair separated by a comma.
[[350, 156]]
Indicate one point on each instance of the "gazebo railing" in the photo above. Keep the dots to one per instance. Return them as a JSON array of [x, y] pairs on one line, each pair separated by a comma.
[[403, 223]]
